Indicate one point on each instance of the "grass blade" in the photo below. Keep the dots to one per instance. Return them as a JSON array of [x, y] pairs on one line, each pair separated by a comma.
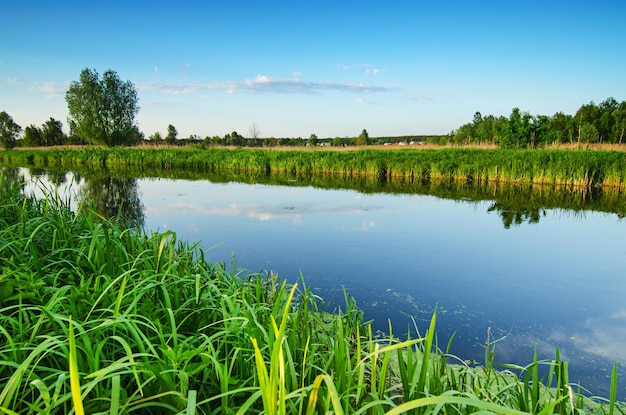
[[74, 380]]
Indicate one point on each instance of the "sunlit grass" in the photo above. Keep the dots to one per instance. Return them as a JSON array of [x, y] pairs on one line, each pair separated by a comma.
[[577, 168], [118, 321]]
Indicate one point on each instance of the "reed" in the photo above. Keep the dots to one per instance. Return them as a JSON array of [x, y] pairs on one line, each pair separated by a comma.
[[120, 321], [556, 167]]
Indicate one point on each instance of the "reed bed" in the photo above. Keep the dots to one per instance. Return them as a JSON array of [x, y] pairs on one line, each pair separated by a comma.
[[574, 168], [98, 318]]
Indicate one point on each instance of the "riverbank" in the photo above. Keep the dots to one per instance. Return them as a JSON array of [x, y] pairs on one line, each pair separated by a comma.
[[118, 320], [572, 168]]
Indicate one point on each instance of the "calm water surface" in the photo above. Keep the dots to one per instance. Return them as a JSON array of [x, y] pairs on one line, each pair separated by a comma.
[[560, 282]]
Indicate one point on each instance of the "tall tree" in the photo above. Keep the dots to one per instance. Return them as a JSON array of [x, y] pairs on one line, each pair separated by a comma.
[[562, 126], [9, 131], [234, 139], [172, 134], [619, 125], [519, 129], [363, 139], [102, 111], [585, 115], [156, 137], [254, 132], [32, 136], [52, 133]]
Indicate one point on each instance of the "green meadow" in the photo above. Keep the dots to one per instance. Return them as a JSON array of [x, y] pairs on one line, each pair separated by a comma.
[[99, 318]]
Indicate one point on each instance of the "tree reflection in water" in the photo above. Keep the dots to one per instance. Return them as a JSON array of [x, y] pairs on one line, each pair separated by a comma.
[[11, 177], [516, 216], [116, 193], [114, 197]]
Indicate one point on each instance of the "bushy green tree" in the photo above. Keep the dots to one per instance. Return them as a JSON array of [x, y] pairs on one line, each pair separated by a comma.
[[519, 129], [102, 111], [234, 139], [562, 128], [363, 139], [52, 133], [156, 137], [9, 131], [32, 136], [619, 126], [172, 134]]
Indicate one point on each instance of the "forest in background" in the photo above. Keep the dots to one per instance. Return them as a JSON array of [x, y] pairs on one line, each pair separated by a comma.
[[603, 123]]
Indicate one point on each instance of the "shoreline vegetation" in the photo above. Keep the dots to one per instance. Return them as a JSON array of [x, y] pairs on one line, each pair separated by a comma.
[[569, 168], [96, 317]]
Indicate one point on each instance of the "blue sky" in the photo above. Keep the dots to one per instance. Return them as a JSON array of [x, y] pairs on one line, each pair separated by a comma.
[[330, 68]]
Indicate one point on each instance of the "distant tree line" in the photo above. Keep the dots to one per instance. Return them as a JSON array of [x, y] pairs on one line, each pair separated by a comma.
[[603, 123], [102, 111]]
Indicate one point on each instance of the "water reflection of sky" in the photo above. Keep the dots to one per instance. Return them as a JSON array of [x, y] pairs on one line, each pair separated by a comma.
[[558, 283]]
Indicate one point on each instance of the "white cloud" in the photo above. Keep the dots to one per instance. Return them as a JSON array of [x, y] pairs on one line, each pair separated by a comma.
[[258, 79], [51, 89], [264, 84], [184, 67], [369, 69], [174, 89], [156, 69]]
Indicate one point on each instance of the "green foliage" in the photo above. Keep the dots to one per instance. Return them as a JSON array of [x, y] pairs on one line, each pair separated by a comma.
[[172, 134], [32, 136], [363, 139], [103, 111], [156, 137], [604, 123], [50, 134], [9, 131]]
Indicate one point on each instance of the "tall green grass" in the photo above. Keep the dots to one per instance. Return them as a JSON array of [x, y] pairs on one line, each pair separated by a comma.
[[557, 167], [96, 318]]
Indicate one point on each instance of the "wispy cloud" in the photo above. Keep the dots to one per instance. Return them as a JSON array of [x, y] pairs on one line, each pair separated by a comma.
[[265, 212], [263, 84], [369, 69], [185, 67], [156, 69], [14, 81], [51, 89]]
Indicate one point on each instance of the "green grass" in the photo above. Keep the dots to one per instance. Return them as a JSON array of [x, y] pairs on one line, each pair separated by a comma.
[[120, 321], [572, 168]]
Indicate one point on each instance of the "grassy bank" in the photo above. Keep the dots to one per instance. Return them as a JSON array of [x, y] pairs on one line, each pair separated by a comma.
[[97, 318], [560, 167]]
